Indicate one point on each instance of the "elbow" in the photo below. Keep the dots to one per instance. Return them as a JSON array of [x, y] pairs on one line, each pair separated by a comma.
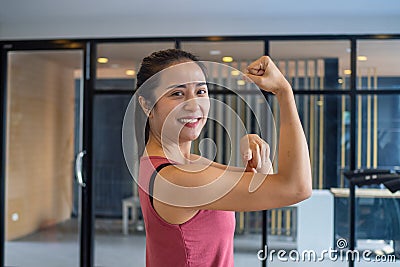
[[305, 193], [305, 184], [303, 190], [300, 195]]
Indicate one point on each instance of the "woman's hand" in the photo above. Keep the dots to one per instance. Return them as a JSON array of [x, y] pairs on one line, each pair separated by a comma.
[[267, 76], [255, 154]]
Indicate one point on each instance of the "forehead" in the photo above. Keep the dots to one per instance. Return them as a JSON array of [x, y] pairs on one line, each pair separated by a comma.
[[181, 73]]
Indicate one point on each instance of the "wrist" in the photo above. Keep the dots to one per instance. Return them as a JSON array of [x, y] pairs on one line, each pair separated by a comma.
[[285, 93]]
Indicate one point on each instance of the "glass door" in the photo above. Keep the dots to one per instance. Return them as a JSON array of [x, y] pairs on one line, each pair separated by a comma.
[[43, 153]]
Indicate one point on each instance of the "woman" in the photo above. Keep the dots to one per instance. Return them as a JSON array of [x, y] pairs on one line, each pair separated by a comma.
[[184, 228]]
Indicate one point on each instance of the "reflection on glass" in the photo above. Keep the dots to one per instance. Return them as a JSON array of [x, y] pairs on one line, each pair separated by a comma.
[[245, 51], [118, 63], [378, 66], [378, 131], [312, 65], [377, 147], [326, 123], [42, 227], [115, 189], [377, 221]]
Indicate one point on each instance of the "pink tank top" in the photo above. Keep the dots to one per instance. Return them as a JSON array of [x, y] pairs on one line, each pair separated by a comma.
[[206, 240]]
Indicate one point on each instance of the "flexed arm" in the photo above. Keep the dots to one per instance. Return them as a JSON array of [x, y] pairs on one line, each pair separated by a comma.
[[294, 162]]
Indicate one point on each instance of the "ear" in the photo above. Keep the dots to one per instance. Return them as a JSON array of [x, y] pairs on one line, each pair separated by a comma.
[[144, 106]]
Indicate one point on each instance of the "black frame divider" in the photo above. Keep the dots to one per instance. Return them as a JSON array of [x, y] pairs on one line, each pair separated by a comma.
[[87, 221], [353, 131], [3, 111], [264, 238]]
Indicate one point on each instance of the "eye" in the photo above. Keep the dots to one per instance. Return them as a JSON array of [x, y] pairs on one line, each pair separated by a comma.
[[177, 93], [202, 91]]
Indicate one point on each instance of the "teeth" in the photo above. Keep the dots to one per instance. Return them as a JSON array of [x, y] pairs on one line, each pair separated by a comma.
[[188, 120]]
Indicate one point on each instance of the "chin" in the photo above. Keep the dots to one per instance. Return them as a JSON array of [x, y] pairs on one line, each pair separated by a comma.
[[189, 137], [190, 134]]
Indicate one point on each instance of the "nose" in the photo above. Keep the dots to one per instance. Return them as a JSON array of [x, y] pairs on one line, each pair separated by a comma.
[[191, 103]]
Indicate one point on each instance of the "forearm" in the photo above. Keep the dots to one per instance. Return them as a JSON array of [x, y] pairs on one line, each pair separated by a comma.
[[294, 162]]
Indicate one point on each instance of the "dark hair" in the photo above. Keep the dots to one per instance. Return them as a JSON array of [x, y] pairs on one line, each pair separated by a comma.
[[150, 66]]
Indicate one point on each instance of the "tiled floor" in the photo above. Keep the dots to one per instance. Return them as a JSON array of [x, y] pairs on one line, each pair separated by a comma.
[[50, 248]]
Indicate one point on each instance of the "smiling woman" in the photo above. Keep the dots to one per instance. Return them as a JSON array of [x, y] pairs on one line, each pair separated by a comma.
[[188, 201], [150, 89]]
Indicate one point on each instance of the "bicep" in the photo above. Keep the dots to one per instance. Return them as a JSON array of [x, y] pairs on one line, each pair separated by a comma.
[[208, 187], [272, 193]]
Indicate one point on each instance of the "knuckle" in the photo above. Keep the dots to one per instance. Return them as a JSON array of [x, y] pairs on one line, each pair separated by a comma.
[[266, 146], [251, 135]]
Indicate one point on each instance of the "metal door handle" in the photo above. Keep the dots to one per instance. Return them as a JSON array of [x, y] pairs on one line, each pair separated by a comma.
[[78, 168]]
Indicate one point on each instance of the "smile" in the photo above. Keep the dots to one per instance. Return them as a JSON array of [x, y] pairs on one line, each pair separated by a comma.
[[189, 120]]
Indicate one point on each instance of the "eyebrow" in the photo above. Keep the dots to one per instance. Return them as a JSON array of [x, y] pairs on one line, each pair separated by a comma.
[[177, 85]]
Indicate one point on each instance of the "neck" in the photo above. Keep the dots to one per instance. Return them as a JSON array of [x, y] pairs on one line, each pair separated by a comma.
[[179, 152]]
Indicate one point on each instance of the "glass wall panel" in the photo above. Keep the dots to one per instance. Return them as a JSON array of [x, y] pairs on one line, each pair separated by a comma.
[[377, 147], [378, 131], [378, 66], [114, 186], [326, 123], [313, 65], [377, 220], [43, 137], [119, 232], [118, 63], [215, 51]]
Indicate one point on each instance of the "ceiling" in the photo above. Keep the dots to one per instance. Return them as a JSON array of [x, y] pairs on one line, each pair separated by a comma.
[[46, 10], [43, 19]]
